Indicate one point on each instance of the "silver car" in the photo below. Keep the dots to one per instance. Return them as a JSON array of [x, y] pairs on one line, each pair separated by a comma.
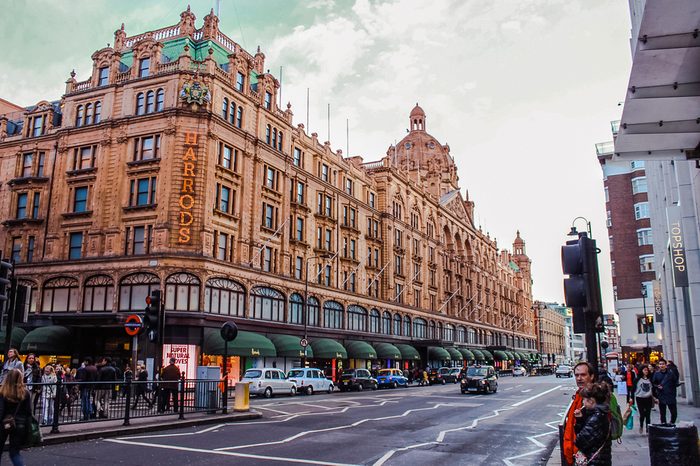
[[309, 380], [268, 381]]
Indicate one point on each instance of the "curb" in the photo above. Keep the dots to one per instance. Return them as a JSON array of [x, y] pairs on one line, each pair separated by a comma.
[[56, 439]]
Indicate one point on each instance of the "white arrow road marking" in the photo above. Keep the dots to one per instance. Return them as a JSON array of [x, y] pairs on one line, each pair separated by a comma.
[[533, 438]]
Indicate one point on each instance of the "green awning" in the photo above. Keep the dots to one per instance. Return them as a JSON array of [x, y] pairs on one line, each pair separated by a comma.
[[360, 350], [435, 353], [18, 335], [455, 355], [387, 351], [467, 354], [478, 355], [500, 355], [408, 352], [248, 344], [509, 355], [288, 346], [53, 340], [325, 348], [487, 355], [521, 356]]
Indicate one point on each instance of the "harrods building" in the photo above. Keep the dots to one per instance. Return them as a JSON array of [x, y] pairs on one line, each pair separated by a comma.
[[173, 167]]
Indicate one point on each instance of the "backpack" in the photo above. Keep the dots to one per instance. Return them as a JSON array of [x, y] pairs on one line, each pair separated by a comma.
[[616, 423]]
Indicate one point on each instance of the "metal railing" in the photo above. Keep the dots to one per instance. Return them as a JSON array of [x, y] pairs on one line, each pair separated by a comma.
[[62, 403]]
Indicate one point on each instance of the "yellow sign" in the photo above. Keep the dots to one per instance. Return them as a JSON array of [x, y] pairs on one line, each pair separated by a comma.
[[187, 200]]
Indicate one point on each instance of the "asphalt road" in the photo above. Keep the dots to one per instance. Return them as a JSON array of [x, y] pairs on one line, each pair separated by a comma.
[[414, 426]]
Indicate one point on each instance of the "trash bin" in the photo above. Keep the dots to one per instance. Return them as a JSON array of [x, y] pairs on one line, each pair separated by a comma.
[[676, 445], [242, 399]]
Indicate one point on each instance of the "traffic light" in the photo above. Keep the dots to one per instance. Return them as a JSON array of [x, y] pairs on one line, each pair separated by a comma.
[[579, 261], [5, 271], [152, 318]]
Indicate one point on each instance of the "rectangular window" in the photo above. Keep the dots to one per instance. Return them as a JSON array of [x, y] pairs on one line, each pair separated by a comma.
[[329, 206], [324, 172], [398, 236], [147, 148], [225, 199], [268, 100], [399, 293], [644, 237], [327, 276], [300, 193], [298, 264], [76, 246], [641, 210], [240, 81], [300, 229], [398, 264], [239, 117], [21, 211], [637, 164], [38, 126], [268, 216], [645, 324], [35, 205], [329, 240], [271, 178], [103, 76], [142, 192], [352, 218], [319, 238], [30, 249], [349, 186], [646, 263], [40, 165], [372, 200], [27, 165], [228, 157], [16, 256], [144, 66], [639, 185], [267, 259], [297, 160], [84, 158], [353, 252], [80, 199], [221, 247], [138, 240]]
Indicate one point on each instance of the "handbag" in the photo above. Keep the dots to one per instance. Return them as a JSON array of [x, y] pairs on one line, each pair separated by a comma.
[[8, 422], [32, 436]]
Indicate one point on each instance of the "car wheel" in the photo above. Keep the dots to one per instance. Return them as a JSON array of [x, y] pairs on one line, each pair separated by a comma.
[[268, 392], [309, 390], [443, 381], [463, 392], [487, 390], [360, 387], [394, 385], [375, 386], [293, 391], [330, 388], [495, 389]]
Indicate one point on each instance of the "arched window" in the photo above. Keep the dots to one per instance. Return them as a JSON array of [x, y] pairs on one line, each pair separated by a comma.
[[374, 321], [133, 290], [471, 336], [88, 114], [386, 323], [461, 335], [357, 318], [139, 103], [420, 326], [406, 326], [224, 108], [79, 116], [60, 295], [397, 325], [98, 112], [332, 315], [296, 309], [431, 331], [160, 98], [32, 294], [439, 334], [239, 116], [232, 112], [98, 294], [149, 101], [182, 292], [313, 312], [267, 304], [225, 297], [449, 333]]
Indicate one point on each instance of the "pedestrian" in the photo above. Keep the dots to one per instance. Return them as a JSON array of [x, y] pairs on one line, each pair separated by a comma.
[[643, 397], [424, 379], [128, 378], [48, 394], [592, 426], [585, 374], [11, 362], [665, 383], [86, 375], [170, 377], [107, 377], [141, 387], [673, 368], [630, 378], [15, 403], [32, 378]]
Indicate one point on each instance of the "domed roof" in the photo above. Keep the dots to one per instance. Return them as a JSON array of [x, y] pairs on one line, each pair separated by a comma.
[[518, 239], [417, 111]]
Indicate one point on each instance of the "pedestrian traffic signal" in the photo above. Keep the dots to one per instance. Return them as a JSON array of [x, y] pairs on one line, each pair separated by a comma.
[[5, 270], [151, 319]]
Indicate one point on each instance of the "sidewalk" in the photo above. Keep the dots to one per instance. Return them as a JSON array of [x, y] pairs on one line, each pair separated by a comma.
[[93, 430], [634, 449]]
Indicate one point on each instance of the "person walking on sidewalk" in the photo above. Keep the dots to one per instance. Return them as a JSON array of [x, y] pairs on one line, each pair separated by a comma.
[[642, 397], [141, 388], [585, 374], [15, 402], [107, 377], [665, 383], [86, 374], [630, 378], [593, 426]]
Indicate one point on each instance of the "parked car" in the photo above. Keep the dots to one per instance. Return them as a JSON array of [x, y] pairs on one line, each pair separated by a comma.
[[480, 379], [357, 379], [391, 378], [442, 375], [309, 380], [455, 372], [519, 371], [268, 381], [564, 371]]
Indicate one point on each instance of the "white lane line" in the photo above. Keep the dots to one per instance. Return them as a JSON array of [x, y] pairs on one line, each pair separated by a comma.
[[390, 453], [275, 410], [181, 434], [228, 453], [506, 389], [515, 405], [510, 463], [533, 438], [526, 391]]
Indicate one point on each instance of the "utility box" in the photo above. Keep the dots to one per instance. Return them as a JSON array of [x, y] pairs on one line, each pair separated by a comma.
[[206, 391]]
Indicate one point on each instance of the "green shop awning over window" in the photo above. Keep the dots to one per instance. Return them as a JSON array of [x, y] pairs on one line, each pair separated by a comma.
[[500, 355], [435, 353], [52, 340], [522, 356], [478, 355], [408, 352], [467, 354], [509, 355], [487, 355], [18, 335], [325, 348], [387, 351], [247, 344], [289, 346], [360, 350], [455, 355]]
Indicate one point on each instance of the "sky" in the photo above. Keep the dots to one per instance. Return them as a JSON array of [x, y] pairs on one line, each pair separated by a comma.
[[521, 90]]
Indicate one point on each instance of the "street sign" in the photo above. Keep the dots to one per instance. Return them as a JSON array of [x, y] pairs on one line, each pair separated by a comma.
[[229, 331], [133, 325], [304, 342]]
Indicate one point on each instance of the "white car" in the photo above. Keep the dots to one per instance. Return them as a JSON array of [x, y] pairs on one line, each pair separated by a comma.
[[268, 381], [309, 380], [519, 371], [564, 371]]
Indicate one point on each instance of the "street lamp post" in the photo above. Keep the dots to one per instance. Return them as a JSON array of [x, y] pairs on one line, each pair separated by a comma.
[[306, 300]]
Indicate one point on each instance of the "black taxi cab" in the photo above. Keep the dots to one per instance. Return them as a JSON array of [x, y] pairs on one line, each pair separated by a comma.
[[479, 379]]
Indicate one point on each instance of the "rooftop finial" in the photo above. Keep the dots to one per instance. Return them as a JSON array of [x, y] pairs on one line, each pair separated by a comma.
[[122, 26], [72, 73], [188, 7], [258, 49]]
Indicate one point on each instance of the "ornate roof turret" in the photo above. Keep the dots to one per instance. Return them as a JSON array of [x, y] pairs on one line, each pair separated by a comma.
[[417, 119]]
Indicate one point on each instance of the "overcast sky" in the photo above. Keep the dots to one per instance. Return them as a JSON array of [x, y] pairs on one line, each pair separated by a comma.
[[521, 90]]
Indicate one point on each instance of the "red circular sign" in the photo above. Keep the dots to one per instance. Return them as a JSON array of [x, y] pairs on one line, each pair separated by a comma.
[[133, 325]]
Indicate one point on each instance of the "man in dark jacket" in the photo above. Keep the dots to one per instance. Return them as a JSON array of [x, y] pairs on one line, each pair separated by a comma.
[[665, 383], [169, 381], [107, 377], [86, 374]]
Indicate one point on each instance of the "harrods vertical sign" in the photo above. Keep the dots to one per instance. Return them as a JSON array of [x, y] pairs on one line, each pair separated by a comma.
[[187, 197], [677, 247]]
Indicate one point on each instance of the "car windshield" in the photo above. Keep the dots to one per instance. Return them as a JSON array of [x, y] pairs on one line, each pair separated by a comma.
[[476, 371], [295, 374], [564, 368], [252, 374], [385, 372], [349, 372]]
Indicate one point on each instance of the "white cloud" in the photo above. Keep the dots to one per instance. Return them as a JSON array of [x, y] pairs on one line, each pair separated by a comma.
[[320, 4]]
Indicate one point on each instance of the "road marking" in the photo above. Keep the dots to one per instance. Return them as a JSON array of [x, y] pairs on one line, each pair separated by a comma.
[[227, 453], [390, 453], [515, 405], [506, 389], [526, 391], [533, 438], [274, 410]]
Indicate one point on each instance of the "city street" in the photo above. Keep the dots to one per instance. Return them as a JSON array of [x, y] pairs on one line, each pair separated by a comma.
[[414, 426]]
